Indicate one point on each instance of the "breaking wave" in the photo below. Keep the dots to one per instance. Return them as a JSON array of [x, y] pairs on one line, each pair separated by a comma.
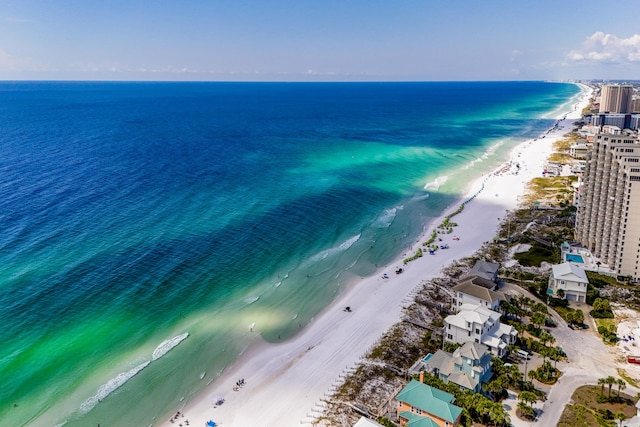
[[111, 386], [167, 345]]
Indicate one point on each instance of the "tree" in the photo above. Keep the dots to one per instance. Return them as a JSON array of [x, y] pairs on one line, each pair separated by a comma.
[[621, 386], [620, 416], [560, 293], [538, 319], [601, 304], [610, 381], [601, 383], [571, 317], [527, 397], [578, 316]]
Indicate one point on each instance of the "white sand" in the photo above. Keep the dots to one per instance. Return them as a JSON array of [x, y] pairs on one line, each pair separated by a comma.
[[285, 381]]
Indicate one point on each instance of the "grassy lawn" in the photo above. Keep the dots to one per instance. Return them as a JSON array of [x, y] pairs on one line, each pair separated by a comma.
[[587, 412], [607, 323], [537, 254]]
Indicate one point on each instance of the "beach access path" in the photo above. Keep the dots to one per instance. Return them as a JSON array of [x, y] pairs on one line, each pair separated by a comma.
[[285, 382]]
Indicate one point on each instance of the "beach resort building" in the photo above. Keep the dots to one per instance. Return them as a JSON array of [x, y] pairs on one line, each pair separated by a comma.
[[608, 219], [616, 99], [467, 367], [622, 121], [569, 278], [475, 323], [467, 292], [420, 405]]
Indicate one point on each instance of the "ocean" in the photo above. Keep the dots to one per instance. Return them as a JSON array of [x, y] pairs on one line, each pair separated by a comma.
[[151, 232]]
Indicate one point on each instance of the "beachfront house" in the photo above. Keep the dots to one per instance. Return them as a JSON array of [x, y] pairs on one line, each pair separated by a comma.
[[467, 367], [475, 323], [467, 292], [479, 281], [486, 270], [579, 150], [420, 405], [569, 278]]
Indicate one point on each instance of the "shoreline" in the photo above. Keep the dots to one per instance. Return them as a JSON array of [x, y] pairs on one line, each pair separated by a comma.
[[285, 381]]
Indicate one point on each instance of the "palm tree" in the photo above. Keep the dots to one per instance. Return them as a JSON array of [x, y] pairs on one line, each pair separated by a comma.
[[579, 316], [601, 383], [560, 293], [523, 408], [620, 416], [621, 386], [527, 397], [538, 319], [610, 381], [570, 316]]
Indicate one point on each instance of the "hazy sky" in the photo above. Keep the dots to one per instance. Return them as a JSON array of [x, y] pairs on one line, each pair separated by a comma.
[[319, 40]]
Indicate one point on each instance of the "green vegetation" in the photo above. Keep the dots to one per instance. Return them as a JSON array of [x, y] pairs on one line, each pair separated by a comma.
[[537, 254], [553, 190], [565, 143], [431, 239], [607, 328], [475, 407], [593, 407], [601, 309], [561, 158], [545, 373], [417, 255]]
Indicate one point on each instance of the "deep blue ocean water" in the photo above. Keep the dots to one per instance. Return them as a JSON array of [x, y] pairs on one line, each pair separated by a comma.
[[132, 214]]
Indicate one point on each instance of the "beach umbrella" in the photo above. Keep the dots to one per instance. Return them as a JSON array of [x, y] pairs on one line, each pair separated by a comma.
[[210, 423]]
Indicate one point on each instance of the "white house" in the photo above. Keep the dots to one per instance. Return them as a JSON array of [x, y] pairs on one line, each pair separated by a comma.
[[579, 150], [571, 279], [467, 292], [475, 323]]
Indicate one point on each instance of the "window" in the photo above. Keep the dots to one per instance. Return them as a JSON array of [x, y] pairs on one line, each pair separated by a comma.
[[477, 331]]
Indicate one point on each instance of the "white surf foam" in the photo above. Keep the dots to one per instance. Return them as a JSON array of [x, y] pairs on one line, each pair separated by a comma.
[[167, 345], [435, 185], [111, 386], [251, 300], [386, 218], [342, 247]]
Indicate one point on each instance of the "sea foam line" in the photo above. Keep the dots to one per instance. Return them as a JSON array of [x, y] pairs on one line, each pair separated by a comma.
[[167, 345], [435, 185], [111, 386], [120, 379], [386, 218], [342, 247]]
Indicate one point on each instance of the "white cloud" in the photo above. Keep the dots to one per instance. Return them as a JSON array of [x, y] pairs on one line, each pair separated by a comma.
[[607, 48]]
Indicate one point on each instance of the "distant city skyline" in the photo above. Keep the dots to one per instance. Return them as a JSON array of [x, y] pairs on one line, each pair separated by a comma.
[[331, 40]]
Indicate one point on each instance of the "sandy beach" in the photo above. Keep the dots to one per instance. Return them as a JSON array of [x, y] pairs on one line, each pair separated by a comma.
[[285, 382]]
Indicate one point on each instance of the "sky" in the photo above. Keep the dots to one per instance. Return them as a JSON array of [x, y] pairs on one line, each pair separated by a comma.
[[319, 40]]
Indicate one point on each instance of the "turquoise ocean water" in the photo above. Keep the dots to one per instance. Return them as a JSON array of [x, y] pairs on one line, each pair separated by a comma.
[[144, 227]]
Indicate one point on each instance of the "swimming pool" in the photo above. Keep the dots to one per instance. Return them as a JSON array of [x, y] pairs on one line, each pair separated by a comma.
[[574, 258]]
